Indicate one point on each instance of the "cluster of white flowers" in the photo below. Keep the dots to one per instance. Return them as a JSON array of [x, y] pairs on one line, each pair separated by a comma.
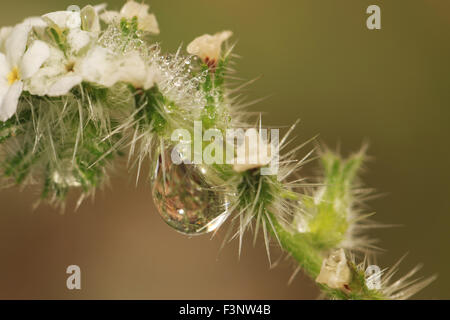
[[52, 54]]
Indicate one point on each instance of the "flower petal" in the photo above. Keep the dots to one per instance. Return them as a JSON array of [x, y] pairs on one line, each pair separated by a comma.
[[4, 67], [8, 106], [4, 87], [335, 272], [78, 40], [16, 43], [100, 7], [63, 85], [65, 19], [33, 59], [132, 70], [208, 47], [148, 23], [252, 153], [133, 9], [52, 69], [35, 22], [110, 16], [4, 70], [99, 66], [39, 26]]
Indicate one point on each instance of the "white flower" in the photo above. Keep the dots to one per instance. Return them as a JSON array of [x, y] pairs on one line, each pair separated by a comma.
[[84, 60], [253, 153], [81, 27], [146, 21], [61, 72], [208, 47], [99, 66], [56, 77], [106, 68], [133, 70], [335, 272], [65, 19], [35, 22], [6, 31], [16, 65]]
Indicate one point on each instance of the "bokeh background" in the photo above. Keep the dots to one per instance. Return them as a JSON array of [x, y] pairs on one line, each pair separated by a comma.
[[316, 61]]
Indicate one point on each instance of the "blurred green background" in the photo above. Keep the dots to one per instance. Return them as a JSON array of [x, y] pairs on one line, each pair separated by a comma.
[[317, 62]]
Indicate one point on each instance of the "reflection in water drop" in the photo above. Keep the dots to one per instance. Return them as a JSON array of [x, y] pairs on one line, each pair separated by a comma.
[[184, 198]]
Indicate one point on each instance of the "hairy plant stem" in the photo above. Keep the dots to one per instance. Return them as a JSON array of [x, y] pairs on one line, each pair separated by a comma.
[[310, 258]]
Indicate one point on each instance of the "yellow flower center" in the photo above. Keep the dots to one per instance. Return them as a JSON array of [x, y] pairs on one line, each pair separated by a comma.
[[13, 76]]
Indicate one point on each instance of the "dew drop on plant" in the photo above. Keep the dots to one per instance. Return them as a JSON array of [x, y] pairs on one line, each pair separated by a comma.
[[88, 18], [185, 199]]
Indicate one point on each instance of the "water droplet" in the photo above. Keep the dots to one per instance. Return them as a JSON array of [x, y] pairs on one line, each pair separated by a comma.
[[185, 198], [89, 19]]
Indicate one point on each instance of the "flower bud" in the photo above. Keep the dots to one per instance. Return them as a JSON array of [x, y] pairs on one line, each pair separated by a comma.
[[335, 272]]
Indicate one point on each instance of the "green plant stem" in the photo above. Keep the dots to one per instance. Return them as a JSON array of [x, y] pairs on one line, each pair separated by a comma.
[[310, 260], [306, 255]]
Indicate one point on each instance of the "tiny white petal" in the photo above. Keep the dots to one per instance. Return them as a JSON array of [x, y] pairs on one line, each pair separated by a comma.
[[148, 23], [335, 272], [100, 7], [4, 87], [99, 66], [251, 155], [78, 40], [110, 16], [33, 59], [208, 47], [63, 85], [74, 21], [65, 19], [52, 69], [16, 43], [8, 106], [132, 70], [133, 9], [39, 26], [5, 68]]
